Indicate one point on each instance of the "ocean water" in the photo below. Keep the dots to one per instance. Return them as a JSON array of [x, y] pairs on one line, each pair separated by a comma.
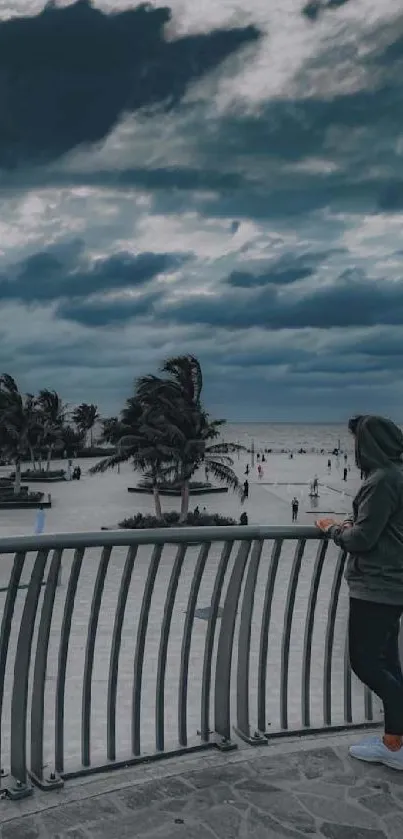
[[290, 436]]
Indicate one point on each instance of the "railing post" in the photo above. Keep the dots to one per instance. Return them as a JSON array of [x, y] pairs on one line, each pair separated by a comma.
[[243, 723], [38, 689], [264, 635], [331, 620], [89, 656], [6, 624], [309, 625], [222, 693], [18, 786], [140, 648], [209, 643], [62, 657], [115, 651], [163, 648], [186, 642], [285, 642]]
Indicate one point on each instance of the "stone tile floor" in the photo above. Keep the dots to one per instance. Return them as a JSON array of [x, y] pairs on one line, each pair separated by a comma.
[[299, 789]]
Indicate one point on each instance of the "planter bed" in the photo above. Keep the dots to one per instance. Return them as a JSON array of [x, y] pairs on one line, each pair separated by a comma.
[[177, 492], [25, 502], [41, 477]]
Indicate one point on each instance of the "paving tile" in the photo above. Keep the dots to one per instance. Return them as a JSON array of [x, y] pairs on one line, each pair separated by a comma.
[[343, 831]]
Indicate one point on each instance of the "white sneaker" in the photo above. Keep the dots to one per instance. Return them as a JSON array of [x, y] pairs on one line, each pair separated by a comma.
[[373, 750]]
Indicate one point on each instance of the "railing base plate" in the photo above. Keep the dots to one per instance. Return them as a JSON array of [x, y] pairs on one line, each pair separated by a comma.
[[47, 783], [225, 745], [256, 739], [15, 789]]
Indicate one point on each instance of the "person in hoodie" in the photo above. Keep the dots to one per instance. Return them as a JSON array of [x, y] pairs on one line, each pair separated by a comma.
[[373, 538]]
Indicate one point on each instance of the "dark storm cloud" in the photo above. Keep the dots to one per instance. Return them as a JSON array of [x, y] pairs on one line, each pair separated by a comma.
[[351, 301], [45, 277], [69, 74], [97, 313], [285, 271]]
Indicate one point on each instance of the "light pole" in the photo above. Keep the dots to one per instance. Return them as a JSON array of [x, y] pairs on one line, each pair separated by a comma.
[[252, 451]]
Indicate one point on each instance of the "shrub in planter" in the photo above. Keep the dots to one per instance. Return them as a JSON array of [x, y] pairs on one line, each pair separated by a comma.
[[146, 484], [171, 519], [32, 474]]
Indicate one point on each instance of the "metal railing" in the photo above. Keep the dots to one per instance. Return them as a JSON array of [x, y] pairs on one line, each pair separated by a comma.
[[271, 641]]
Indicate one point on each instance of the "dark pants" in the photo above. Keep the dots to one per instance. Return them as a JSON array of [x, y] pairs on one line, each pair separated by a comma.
[[294, 513], [374, 655]]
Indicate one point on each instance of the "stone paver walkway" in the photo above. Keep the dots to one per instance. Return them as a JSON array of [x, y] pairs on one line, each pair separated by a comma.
[[293, 790]]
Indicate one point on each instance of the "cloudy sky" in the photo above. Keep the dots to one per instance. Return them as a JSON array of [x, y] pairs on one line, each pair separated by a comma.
[[220, 178]]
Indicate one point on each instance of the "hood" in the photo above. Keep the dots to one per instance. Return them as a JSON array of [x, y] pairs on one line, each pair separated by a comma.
[[378, 443]]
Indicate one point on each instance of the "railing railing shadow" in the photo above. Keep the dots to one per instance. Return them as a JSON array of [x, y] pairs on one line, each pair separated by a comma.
[[275, 629]]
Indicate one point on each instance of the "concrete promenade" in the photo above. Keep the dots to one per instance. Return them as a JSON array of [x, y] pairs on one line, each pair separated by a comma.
[[284, 791]]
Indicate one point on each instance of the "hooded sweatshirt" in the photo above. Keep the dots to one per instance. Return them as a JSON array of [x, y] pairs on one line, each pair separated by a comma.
[[374, 568]]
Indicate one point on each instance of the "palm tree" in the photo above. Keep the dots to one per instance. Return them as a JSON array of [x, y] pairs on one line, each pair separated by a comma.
[[188, 426], [53, 414], [110, 430], [141, 438], [72, 440], [85, 417], [20, 426]]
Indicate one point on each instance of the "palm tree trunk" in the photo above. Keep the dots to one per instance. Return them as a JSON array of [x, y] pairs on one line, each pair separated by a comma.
[[91, 438], [17, 481], [32, 456], [184, 502], [157, 502], [48, 458]]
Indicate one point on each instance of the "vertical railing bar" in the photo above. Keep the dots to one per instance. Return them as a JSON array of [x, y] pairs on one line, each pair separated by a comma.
[[89, 656], [368, 704], [186, 642], [329, 638], [19, 701], [41, 660], [308, 635], [348, 711], [163, 647], [209, 642], [245, 631], [62, 658], [285, 642], [140, 647], [115, 651], [6, 623], [222, 690], [264, 634]]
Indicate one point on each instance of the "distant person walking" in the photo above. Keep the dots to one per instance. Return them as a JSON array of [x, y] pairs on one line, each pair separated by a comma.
[[295, 506], [247, 469], [373, 541], [345, 470], [345, 458], [315, 485], [245, 490], [40, 521], [329, 466], [260, 471]]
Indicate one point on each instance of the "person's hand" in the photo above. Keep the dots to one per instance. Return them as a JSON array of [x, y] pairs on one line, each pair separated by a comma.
[[346, 524], [325, 524]]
